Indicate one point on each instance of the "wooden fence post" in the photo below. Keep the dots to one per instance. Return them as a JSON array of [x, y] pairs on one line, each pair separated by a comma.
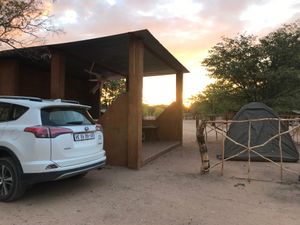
[[249, 149], [223, 151], [280, 148]]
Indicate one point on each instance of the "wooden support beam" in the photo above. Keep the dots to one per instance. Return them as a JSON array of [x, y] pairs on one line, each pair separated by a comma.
[[159, 73], [135, 88], [57, 82], [9, 73], [179, 87], [179, 91]]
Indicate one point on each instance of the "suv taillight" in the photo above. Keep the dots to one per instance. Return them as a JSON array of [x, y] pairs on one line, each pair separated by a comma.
[[38, 131], [56, 131], [99, 128], [47, 132]]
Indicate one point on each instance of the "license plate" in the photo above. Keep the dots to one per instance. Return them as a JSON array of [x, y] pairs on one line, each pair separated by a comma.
[[84, 136]]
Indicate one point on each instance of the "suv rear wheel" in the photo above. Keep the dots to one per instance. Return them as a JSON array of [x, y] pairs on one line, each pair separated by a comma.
[[11, 186]]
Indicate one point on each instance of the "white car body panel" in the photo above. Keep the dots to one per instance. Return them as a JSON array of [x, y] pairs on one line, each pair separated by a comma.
[[35, 154], [67, 152]]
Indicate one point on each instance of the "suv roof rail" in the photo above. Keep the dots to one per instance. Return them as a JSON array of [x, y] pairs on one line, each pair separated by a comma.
[[70, 101], [35, 99], [63, 100]]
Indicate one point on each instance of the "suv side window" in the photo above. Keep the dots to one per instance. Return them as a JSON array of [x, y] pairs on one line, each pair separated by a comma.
[[18, 111], [9, 112], [5, 110]]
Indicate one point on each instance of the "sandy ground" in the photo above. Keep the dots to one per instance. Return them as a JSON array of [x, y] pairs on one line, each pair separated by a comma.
[[168, 191]]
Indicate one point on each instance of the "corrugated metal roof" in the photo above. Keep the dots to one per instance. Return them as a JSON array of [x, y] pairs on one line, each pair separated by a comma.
[[108, 53]]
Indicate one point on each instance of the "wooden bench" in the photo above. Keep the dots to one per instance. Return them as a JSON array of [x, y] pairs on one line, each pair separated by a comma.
[[149, 132]]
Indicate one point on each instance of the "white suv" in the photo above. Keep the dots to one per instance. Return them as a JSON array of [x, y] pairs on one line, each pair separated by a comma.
[[42, 140]]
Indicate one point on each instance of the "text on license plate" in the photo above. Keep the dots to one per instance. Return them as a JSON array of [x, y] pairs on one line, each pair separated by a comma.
[[84, 136]]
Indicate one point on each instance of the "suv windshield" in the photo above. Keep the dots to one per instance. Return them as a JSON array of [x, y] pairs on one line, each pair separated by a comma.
[[66, 116]]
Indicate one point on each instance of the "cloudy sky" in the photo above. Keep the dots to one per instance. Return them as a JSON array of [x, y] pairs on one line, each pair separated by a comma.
[[187, 28]]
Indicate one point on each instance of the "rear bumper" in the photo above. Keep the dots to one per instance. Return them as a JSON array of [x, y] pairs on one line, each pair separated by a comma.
[[32, 178]]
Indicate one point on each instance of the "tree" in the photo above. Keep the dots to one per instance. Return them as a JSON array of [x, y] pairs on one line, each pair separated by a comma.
[[22, 21], [217, 98], [111, 90], [239, 63], [153, 110], [250, 69], [282, 50]]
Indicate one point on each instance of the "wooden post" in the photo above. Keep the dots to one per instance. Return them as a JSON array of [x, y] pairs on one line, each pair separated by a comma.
[[9, 74], [197, 120], [100, 100], [280, 149], [216, 126], [206, 137], [227, 125], [297, 133], [135, 87], [57, 88], [223, 150], [249, 149], [179, 90]]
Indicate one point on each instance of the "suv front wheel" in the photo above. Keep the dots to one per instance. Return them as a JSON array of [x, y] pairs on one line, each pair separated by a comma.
[[11, 186]]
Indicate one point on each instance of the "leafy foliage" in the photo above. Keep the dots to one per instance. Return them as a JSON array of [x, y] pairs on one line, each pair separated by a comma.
[[111, 90], [249, 69], [153, 111], [238, 63], [22, 20], [213, 95]]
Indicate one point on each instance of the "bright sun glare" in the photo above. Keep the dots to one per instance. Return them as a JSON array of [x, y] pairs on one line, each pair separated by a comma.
[[162, 89], [159, 90]]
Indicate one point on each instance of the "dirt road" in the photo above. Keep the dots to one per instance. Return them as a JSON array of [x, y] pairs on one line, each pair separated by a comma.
[[167, 191]]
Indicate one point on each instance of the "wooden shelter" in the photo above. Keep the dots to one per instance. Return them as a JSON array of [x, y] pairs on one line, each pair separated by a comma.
[[60, 71]]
